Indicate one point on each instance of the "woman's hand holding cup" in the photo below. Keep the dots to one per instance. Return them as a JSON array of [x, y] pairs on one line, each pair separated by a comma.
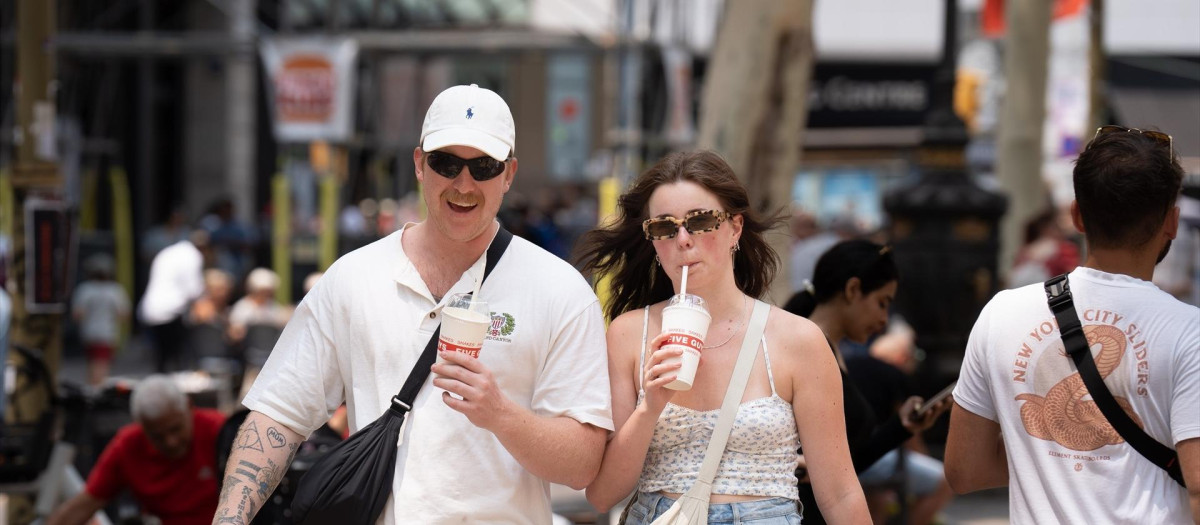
[[658, 373]]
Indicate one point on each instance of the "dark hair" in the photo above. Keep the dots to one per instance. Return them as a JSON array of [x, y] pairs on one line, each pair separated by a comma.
[[871, 263], [621, 251], [1125, 183]]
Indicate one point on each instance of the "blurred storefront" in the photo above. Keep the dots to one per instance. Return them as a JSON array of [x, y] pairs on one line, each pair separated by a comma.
[[170, 107]]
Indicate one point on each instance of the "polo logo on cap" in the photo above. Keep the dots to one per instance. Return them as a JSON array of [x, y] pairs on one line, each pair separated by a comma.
[[469, 113]]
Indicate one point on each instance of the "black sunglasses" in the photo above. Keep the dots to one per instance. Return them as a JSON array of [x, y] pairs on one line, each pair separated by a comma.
[[447, 165], [701, 221], [1157, 136]]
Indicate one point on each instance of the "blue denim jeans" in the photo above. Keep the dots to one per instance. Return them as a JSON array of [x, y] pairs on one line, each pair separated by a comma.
[[773, 511]]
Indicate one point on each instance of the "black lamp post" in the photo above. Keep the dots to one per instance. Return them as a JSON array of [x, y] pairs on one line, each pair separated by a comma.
[[944, 229]]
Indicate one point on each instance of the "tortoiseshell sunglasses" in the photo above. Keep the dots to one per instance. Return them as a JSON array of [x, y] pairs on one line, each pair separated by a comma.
[[700, 221]]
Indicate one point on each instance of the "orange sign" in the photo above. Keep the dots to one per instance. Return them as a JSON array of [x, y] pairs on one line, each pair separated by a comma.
[[304, 89]]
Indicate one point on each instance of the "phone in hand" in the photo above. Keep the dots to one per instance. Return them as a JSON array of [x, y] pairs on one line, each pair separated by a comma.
[[933, 401]]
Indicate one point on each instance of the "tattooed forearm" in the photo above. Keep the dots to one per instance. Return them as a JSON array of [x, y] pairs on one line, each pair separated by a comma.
[[256, 465], [227, 487]]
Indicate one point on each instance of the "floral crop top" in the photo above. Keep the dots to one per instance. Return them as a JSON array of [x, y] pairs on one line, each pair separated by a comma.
[[760, 458]]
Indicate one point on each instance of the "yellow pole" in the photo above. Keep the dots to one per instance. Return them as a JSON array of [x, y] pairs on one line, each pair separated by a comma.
[[87, 202], [609, 190], [6, 205], [122, 228], [328, 238], [281, 233]]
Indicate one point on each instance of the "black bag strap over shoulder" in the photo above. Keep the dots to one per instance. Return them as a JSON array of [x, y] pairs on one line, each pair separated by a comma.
[[402, 401], [1058, 296], [352, 482]]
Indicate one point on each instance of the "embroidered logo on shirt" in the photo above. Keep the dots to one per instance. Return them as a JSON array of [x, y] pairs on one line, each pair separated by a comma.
[[503, 325]]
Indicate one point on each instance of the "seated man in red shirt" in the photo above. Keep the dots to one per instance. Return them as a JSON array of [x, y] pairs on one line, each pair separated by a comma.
[[166, 458]]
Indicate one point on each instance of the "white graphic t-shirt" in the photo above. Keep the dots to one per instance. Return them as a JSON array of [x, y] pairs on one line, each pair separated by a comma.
[[1066, 464]]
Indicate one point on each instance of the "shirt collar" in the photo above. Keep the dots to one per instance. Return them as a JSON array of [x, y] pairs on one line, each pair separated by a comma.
[[406, 274]]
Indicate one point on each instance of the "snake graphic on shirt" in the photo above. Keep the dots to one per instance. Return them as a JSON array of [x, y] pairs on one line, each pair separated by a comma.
[[1063, 416]]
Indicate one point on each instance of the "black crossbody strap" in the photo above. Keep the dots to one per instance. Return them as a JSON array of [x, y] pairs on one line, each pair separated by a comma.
[[1058, 296], [402, 402]]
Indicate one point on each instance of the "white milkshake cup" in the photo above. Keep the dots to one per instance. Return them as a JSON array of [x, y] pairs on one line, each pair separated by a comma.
[[463, 326], [686, 321]]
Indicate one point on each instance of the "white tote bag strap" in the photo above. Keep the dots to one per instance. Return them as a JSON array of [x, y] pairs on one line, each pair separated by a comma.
[[733, 396]]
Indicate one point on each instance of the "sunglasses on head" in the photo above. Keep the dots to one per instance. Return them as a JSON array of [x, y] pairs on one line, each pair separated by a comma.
[[701, 221], [447, 165], [1157, 136]]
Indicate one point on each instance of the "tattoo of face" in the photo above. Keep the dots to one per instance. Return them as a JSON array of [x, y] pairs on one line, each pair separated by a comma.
[[276, 438], [249, 438]]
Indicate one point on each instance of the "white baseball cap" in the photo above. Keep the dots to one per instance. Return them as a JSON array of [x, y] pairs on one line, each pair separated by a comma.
[[469, 116]]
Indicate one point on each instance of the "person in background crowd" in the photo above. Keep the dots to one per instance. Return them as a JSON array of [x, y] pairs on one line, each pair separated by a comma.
[[101, 308], [1023, 417], [853, 286], [259, 306], [1046, 252], [690, 211], [310, 281], [175, 229], [811, 241], [883, 377], [232, 241], [532, 409], [212, 307], [166, 458], [176, 279]]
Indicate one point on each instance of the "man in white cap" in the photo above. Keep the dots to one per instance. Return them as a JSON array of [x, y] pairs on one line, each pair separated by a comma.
[[534, 405]]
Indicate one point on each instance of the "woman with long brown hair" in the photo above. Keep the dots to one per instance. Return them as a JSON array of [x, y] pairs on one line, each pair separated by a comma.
[[690, 210]]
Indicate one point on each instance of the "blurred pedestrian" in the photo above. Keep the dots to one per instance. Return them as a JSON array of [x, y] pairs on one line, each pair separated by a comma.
[[176, 279], [101, 307], [232, 241], [690, 212], [158, 237], [260, 316], [166, 458], [259, 306], [1023, 417], [1046, 252], [811, 241], [853, 286], [212, 307]]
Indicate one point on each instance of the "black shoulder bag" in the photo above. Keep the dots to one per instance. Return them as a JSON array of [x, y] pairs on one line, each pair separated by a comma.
[[1058, 296], [351, 484]]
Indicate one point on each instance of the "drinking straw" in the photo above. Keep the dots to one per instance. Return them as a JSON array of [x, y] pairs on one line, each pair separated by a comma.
[[475, 295], [683, 284]]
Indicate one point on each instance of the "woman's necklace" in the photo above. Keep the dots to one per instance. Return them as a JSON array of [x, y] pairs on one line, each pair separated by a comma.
[[735, 330]]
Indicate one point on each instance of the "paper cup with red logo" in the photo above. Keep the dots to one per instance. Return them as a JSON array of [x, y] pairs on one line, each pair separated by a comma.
[[685, 320], [463, 328]]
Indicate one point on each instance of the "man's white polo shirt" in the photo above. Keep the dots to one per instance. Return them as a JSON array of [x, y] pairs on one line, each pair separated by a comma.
[[358, 333]]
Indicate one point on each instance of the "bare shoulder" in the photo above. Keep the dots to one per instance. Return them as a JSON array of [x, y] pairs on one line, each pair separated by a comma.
[[626, 325], [794, 335]]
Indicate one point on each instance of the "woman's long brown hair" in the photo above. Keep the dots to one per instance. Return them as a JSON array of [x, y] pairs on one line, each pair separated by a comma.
[[620, 250]]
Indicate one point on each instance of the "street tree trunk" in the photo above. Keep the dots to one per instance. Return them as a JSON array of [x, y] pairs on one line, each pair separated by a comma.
[[755, 106], [1019, 146]]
